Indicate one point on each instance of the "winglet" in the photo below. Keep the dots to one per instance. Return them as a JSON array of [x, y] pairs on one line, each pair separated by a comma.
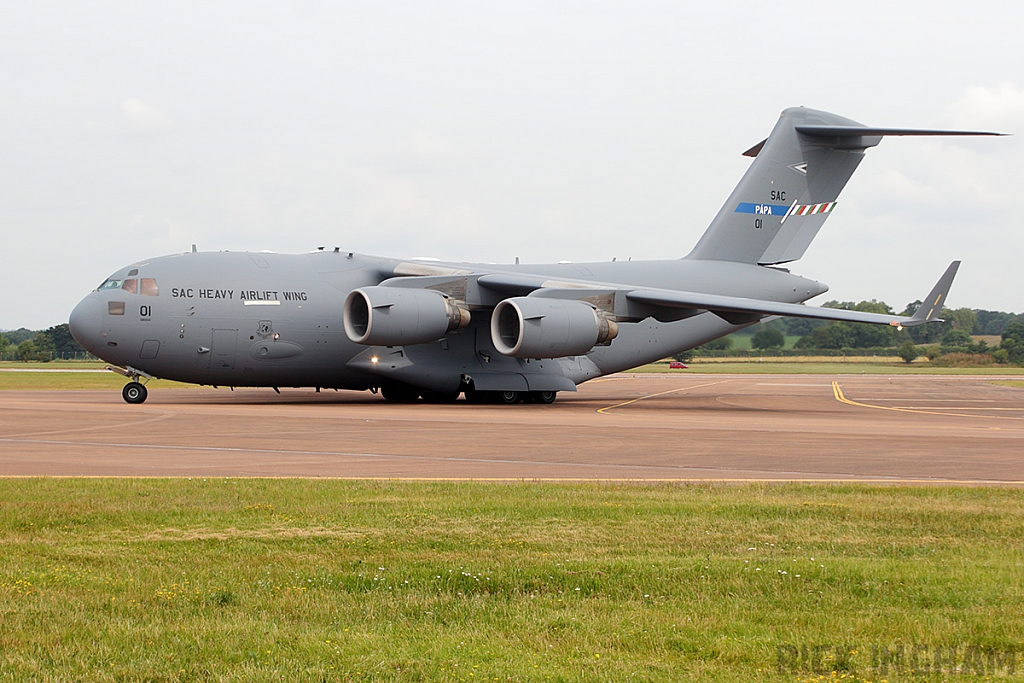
[[931, 308]]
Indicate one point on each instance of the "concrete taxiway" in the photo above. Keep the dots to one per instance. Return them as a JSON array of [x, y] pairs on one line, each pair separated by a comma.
[[904, 428]]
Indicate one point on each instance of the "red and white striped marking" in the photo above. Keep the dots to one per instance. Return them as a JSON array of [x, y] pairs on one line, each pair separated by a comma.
[[811, 209]]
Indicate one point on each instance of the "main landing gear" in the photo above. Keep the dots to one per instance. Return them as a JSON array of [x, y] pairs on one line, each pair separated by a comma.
[[511, 397], [409, 394]]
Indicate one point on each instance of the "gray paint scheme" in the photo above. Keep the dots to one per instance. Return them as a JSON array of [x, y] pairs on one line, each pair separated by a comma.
[[272, 320]]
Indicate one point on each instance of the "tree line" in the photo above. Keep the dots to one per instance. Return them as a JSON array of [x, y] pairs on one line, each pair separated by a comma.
[[43, 345], [952, 340]]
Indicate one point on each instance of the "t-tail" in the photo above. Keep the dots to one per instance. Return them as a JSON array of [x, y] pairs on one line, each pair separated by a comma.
[[792, 187]]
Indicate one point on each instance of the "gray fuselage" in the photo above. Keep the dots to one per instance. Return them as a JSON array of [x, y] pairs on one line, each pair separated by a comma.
[[273, 320]]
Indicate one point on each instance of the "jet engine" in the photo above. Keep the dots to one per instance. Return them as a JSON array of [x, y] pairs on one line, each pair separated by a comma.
[[534, 327], [394, 316]]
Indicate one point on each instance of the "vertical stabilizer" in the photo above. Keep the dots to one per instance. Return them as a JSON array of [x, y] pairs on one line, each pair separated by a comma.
[[787, 193], [792, 186]]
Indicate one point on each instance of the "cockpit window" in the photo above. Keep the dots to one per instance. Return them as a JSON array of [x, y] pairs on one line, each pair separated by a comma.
[[145, 286], [115, 308]]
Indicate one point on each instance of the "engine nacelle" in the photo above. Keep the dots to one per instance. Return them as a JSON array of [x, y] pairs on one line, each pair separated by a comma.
[[394, 316], [534, 327]]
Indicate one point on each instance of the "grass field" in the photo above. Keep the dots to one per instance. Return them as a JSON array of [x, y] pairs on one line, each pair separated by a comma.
[[307, 580], [824, 366], [68, 375]]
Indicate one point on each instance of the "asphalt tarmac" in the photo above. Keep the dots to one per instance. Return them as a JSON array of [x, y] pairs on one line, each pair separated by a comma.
[[904, 428]]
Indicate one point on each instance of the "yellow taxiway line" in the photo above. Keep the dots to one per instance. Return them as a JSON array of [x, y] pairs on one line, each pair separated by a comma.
[[837, 391]]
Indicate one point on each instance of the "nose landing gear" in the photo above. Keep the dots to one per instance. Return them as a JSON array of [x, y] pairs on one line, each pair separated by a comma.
[[134, 392]]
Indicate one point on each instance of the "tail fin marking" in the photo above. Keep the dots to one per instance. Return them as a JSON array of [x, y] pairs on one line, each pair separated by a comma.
[[791, 187]]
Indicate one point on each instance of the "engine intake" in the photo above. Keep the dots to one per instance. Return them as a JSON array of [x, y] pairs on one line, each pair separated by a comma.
[[394, 316], [533, 327]]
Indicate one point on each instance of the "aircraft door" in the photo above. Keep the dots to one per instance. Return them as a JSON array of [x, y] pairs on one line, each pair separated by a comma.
[[222, 349]]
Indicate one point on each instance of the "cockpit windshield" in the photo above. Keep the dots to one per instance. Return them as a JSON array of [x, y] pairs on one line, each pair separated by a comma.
[[145, 286]]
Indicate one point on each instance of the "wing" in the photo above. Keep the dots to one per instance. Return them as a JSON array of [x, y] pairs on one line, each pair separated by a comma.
[[667, 304]]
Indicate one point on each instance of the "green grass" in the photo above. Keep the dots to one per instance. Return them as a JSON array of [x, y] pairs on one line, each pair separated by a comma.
[[814, 366], [12, 379], [1010, 383], [307, 580]]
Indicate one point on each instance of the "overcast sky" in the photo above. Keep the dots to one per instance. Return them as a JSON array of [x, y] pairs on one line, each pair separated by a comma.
[[486, 131]]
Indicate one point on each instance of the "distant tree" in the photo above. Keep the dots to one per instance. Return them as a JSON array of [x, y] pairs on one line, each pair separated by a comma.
[[19, 335], [768, 338], [3, 344], [844, 305], [720, 344], [911, 308], [994, 322], [840, 335], [957, 337], [908, 351], [62, 341], [799, 327], [1013, 343], [44, 346], [834, 336], [683, 356], [26, 350], [932, 332], [963, 319]]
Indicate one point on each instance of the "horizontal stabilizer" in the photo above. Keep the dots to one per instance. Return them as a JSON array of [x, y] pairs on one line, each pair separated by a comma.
[[855, 131]]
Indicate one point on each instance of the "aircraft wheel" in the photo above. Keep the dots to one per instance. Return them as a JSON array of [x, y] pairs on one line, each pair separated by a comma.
[[544, 397], [507, 397], [440, 396], [399, 394], [134, 392]]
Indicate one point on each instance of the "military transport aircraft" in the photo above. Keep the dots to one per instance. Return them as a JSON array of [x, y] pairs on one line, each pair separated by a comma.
[[497, 333]]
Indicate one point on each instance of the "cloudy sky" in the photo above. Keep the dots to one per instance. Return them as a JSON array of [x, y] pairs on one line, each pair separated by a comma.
[[486, 131]]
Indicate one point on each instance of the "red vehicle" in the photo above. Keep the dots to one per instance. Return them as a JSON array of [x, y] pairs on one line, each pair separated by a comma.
[[676, 365]]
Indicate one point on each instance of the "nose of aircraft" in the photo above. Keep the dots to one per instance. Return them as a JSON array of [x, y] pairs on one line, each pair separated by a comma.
[[86, 322]]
